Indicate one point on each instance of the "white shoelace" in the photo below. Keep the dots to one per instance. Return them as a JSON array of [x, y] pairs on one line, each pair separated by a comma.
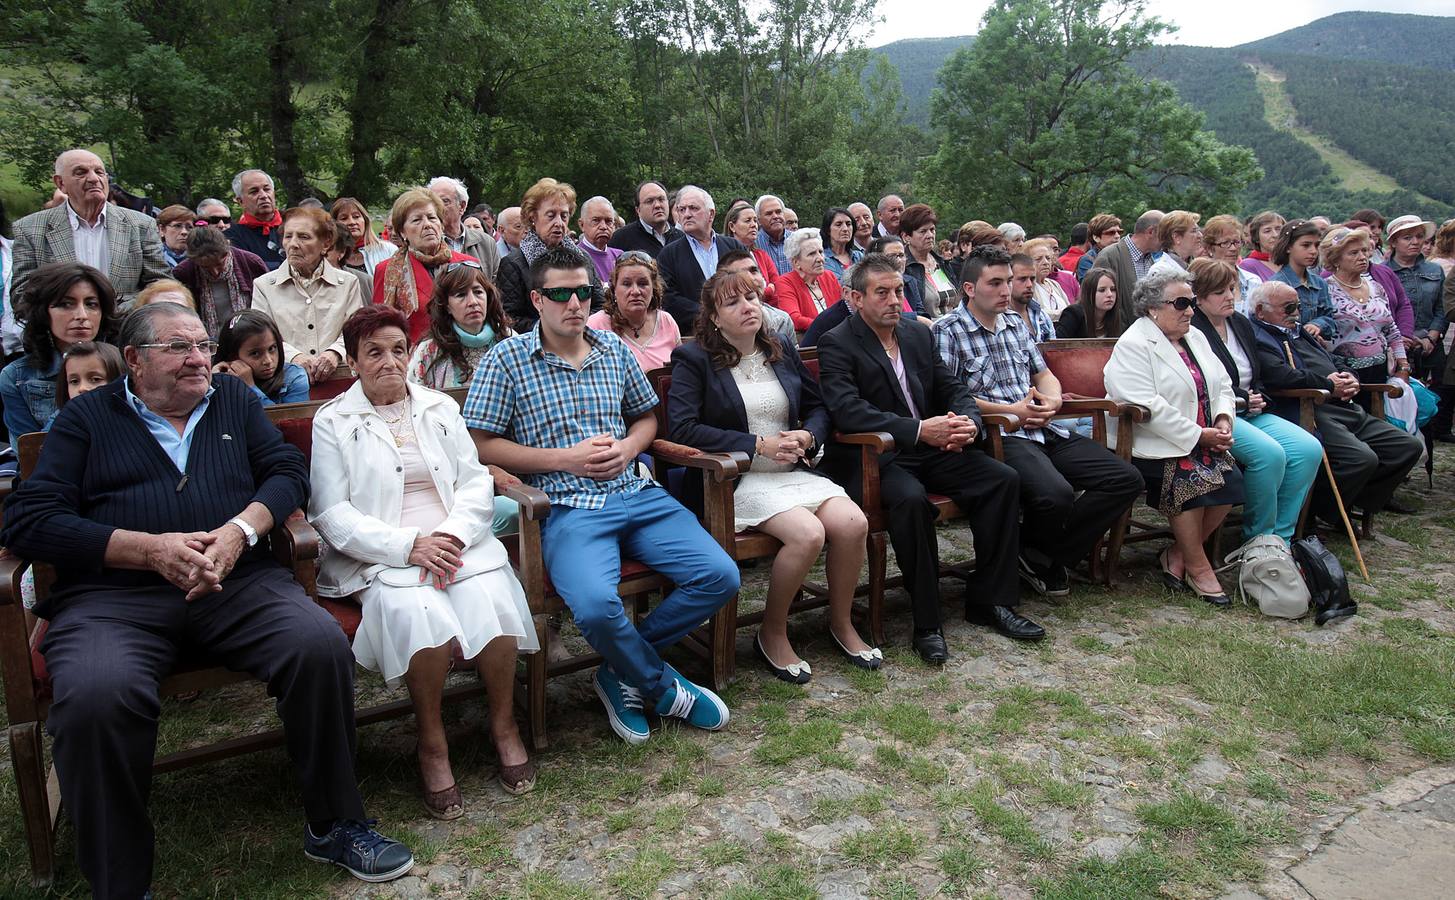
[[631, 698], [682, 702]]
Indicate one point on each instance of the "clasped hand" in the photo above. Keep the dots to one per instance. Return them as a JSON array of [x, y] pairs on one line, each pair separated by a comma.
[[786, 446], [1037, 409], [948, 432], [198, 561], [1345, 385], [1218, 439], [602, 458], [438, 557], [1256, 403]]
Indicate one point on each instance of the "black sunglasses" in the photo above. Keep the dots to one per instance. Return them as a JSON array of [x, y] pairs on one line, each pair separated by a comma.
[[218, 220], [564, 294], [1290, 308], [1182, 304]]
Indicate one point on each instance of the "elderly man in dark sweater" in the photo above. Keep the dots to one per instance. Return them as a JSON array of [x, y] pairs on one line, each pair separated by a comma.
[[150, 498]]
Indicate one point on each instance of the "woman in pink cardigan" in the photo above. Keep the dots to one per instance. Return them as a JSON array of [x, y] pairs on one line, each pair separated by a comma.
[[805, 290]]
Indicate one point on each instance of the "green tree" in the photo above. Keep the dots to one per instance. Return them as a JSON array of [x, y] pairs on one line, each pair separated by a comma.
[[1044, 120]]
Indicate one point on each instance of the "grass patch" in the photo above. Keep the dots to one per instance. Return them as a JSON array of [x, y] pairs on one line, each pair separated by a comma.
[[723, 853], [776, 882], [1264, 786], [1021, 706], [1346, 700], [962, 868], [1012, 826], [1089, 644], [885, 845], [1135, 876], [783, 745], [484, 848], [640, 877], [542, 885], [1211, 844], [910, 723]]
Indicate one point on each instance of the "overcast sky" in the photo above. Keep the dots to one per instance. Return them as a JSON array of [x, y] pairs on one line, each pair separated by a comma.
[[1216, 24]]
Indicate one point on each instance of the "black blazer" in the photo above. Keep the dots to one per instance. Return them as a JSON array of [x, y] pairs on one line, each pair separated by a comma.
[[634, 236], [683, 279], [862, 393], [1313, 368], [1241, 330], [705, 407], [513, 279], [1072, 323]]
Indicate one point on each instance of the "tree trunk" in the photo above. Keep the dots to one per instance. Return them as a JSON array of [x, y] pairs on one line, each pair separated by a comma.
[[282, 116], [366, 106]]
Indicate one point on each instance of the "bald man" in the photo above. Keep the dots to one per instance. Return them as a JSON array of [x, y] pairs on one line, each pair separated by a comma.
[[124, 245]]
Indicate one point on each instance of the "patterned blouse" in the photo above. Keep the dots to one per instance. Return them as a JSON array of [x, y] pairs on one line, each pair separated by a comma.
[[1367, 331]]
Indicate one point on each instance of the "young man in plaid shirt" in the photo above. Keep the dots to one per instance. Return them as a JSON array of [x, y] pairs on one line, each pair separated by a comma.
[[989, 346], [569, 408]]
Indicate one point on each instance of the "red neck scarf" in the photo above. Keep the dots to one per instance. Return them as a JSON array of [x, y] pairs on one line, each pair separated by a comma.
[[265, 226], [1258, 255]]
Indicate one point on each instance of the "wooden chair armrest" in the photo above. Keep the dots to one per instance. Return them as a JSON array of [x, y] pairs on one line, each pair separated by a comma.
[[1317, 395], [1006, 421], [720, 466], [878, 441], [294, 539], [534, 504], [20, 703], [1134, 412], [1392, 390], [1080, 408]]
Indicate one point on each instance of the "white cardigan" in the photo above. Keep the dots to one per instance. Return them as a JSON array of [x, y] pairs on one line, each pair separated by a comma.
[[1145, 368], [358, 489]]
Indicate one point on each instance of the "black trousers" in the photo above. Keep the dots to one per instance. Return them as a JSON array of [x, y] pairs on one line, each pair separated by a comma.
[[985, 489], [1058, 525], [1369, 456], [107, 653]]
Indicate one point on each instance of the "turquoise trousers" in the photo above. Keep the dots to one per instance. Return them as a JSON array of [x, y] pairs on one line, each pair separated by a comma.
[[1280, 461]]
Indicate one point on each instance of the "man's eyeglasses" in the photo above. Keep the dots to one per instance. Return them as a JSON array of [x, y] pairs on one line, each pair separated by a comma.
[[183, 348], [461, 264], [564, 294], [217, 220]]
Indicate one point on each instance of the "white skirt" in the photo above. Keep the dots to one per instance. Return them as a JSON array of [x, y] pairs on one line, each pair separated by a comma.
[[759, 496], [401, 620]]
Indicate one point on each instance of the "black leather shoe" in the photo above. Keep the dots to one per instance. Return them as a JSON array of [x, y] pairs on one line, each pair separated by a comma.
[[1403, 509], [1329, 614], [1007, 621], [1446, 438], [930, 645]]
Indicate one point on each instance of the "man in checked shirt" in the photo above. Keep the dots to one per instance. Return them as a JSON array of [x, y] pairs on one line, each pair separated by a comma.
[[568, 408], [989, 347]]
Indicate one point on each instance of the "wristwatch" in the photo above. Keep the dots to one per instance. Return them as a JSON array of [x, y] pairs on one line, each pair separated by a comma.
[[250, 534]]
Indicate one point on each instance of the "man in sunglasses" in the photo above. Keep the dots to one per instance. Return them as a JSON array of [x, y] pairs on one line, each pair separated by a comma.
[[153, 500], [569, 410], [1369, 456], [215, 213]]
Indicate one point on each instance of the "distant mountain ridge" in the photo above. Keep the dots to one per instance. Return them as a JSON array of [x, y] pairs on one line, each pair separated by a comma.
[[1422, 41]]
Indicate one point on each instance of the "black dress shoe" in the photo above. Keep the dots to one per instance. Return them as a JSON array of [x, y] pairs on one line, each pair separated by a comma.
[[1403, 509], [930, 645], [1446, 438], [1048, 581], [1007, 621]]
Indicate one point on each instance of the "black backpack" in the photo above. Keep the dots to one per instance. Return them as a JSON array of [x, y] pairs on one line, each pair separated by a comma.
[[1327, 586]]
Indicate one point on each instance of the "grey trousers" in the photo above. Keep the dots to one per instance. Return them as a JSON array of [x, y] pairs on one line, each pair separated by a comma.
[[1370, 458]]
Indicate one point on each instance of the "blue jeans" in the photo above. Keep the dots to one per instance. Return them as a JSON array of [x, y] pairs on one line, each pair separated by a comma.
[[583, 550], [1280, 461]]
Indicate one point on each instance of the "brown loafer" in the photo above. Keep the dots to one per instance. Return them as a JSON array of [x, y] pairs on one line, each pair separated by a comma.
[[446, 804], [518, 779]]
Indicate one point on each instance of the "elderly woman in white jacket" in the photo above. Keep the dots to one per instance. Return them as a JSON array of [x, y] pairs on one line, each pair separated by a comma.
[[404, 508], [1161, 363]]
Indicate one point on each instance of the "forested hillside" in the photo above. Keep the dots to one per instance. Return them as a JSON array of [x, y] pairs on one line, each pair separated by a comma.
[[1424, 41], [1396, 119]]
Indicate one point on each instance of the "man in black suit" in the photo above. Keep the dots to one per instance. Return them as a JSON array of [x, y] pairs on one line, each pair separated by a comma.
[[1369, 456], [651, 231], [689, 261], [878, 373]]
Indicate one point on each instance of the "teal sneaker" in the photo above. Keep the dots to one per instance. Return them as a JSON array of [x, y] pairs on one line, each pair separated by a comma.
[[623, 706], [697, 705]]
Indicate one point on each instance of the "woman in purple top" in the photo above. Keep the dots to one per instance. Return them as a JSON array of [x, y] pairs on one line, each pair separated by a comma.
[[1369, 341], [1263, 232]]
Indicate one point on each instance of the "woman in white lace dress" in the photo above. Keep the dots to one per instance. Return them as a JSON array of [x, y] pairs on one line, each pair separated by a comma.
[[738, 388]]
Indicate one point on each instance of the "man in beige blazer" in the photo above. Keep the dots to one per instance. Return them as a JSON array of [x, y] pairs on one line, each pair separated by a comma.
[[123, 244]]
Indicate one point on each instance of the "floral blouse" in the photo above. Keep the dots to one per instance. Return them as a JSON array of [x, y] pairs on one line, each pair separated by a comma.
[[1367, 331]]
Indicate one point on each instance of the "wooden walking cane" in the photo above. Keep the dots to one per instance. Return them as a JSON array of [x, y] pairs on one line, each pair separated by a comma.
[[1343, 514], [1334, 485]]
